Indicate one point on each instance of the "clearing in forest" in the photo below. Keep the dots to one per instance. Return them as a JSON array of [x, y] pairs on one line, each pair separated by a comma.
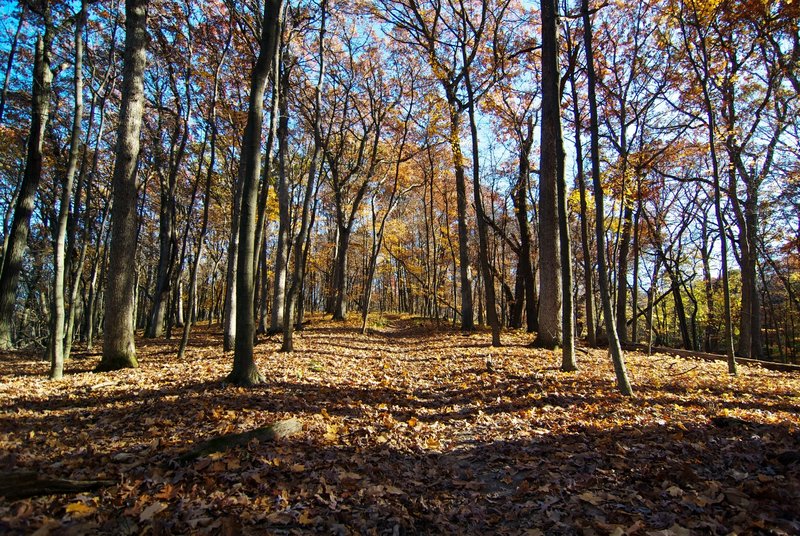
[[403, 431]]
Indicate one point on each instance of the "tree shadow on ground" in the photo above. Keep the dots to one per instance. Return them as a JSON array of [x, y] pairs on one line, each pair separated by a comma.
[[475, 453]]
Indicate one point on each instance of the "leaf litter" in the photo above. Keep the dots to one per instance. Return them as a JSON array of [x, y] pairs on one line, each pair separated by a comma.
[[405, 431]]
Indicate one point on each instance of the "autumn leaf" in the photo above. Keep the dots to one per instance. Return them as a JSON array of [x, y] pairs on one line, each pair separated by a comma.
[[152, 510], [331, 433], [79, 509], [590, 498]]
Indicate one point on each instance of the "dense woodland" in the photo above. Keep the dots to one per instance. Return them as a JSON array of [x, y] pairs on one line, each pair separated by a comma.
[[368, 267], [620, 173]]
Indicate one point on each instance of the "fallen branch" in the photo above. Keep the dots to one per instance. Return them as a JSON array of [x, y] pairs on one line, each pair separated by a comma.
[[678, 352], [271, 432], [23, 484]]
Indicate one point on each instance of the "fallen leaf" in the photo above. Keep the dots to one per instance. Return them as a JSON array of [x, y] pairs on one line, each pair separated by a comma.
[[79, 509], [149, 512], [591, 498]]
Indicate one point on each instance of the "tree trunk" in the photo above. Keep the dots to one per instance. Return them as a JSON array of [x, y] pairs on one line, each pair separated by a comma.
[[588, 278], [57, 343], [99, 263], [18, 236], [229, 307], [550, 299], [568, 362], [525, 274], [187, 327], [245, 372], [299, 257], [467, 320], [614, 347], [340, 274], [284, 222], [622, 273], [263, 193], [480, 213], [636, 251], [119, 349]]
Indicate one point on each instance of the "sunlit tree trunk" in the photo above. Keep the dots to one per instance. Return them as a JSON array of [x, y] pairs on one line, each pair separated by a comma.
[[119, 349], [284, 222], [550, 298], [614, 347], [521, 209], [296, 285], [212, 120], [59, 282], [568, 362], [465, 273], [245, 372], [480, 214], [700, 66], [588, 276], [266, 184]]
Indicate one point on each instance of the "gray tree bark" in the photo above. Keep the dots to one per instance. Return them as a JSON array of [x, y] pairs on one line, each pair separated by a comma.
[[614, 347], [550, 299], [296, 285], [20, 227], [245, 372], [57, 342], [119, 349], [284, 223]]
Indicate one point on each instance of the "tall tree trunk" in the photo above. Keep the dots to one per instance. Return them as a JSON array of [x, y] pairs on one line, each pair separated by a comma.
[[480, 214], [622, 272], [299, 258], [568, 362], [245, 372], [187, 327], [521, 209], [229, 307], [20, 227], [588, 278], [636, 251], [750, 318], [100, 261], [167, 231], [266, 168], [614, 347], [57, 343], [701, 69], [84, 183], [550, 299], [284, 221], [119, 350], [467, 320], [340, 273]]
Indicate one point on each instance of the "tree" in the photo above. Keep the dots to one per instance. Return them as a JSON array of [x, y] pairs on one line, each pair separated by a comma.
[[614, 348], [59, 273], [245, 372], [18, 235], [550, 297], [119, 348], [300, 243]]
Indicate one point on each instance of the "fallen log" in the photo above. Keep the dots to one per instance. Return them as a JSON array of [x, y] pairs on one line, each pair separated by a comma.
[[769, 365], [272, 432], [23, 484]]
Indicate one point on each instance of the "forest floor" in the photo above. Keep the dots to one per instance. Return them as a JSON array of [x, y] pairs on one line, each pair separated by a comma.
[[404, 431]]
